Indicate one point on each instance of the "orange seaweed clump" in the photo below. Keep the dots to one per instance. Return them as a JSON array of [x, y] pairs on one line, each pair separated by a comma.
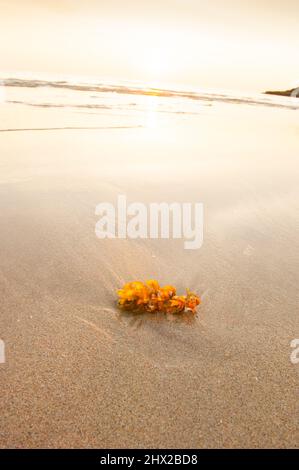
[[150, 297]]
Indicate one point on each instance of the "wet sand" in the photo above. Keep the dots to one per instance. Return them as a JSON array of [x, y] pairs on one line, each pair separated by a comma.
[[78, 373]]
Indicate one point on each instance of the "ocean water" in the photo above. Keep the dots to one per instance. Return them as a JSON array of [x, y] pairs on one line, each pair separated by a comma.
[[231, 151], [84, 103]]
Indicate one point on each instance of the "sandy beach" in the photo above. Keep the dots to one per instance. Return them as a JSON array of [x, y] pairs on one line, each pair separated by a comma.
[[78, 372]]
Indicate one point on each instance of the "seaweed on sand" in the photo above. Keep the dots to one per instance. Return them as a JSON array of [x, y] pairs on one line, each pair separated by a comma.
[[140, 297]]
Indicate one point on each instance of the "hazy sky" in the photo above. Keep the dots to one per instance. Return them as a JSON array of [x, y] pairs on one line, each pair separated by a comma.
[[242, 45]]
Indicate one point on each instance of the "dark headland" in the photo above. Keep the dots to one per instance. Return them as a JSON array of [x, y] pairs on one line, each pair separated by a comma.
[[294, 92]]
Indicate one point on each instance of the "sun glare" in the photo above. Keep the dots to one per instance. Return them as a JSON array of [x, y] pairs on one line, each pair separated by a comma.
[[156, 64]]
